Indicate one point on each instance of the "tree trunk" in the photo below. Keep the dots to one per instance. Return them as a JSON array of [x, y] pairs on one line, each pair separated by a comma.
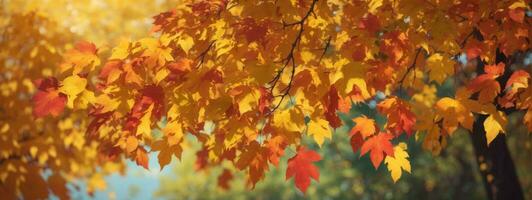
[[496, 165]]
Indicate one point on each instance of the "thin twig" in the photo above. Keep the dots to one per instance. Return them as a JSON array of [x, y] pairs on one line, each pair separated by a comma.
[[203, 54], [410, 68], [290, 58]]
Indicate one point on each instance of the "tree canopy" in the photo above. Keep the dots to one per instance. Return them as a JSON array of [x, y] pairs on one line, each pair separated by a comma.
[[251, 79]]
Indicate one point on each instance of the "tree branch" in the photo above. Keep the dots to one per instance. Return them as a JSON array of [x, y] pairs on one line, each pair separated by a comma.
[[290, 58]]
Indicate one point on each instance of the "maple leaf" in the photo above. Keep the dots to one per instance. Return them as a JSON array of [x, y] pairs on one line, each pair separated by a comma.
[[141, 158], [330, 101], [131, 144], [48, 100], [379, 146], [302, 169], [72, 87], [400, 118], [276, 146], [364, 126], [486, 85], [82, 58], [398, 162], [494, 124], [454, 112], [319, 129], [517, 83], [255, 159], [440, 67], [356, 142], [224, 178], [166, 149]]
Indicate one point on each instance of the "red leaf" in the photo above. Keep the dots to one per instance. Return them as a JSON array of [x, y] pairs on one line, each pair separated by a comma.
[[302, 168], [150, 94], [48, 100], [369, 23], [379, 145], [253, 30], [400, 118], [224, 178], [519, 76], [330, 101], [495, 70], [265, 100], [356, 142]]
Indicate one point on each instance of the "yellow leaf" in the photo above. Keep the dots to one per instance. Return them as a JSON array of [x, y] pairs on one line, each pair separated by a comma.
[[161, 75], [439, 67], [374, 5], [144, 127], [361, 84], [186, 42], [174, 132], [494, 124], [223, 46], [121, 51], [307, 56], [249, 102], [518, 4], [319, 129], [72, 86], [398, 162], [131, 144], [289, 119], [33, 151], [86, 98]]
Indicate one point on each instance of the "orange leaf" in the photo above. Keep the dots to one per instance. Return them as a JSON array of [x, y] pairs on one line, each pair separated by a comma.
[[379, 145], [142, 158], [48, 100], [301, 166], [364, 126], [131, 144]]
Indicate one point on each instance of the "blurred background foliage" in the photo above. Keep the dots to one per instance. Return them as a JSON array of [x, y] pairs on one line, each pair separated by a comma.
[[103, 22], [454, 174]]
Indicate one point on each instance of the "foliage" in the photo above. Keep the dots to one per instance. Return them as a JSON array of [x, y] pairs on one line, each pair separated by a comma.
[[250, 80], [39, 156]]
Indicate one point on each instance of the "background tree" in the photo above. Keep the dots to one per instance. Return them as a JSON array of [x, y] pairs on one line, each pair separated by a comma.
[[250, 80], [40, 156]]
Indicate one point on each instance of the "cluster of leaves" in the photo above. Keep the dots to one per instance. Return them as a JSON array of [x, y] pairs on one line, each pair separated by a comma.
[[250, 79], [40, 156]]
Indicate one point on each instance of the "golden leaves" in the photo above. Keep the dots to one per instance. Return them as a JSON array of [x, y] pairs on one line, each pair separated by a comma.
[[398, 162], [453, 113], [494, 125], [319, 130], [83, 58], [186, 42], [210, 70], [374, 5], [131, 144], [72, 87], [440, 67]]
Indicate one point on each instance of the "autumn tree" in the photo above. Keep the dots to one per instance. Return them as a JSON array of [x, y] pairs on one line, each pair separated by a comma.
[[250, 79], [39, 156]]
